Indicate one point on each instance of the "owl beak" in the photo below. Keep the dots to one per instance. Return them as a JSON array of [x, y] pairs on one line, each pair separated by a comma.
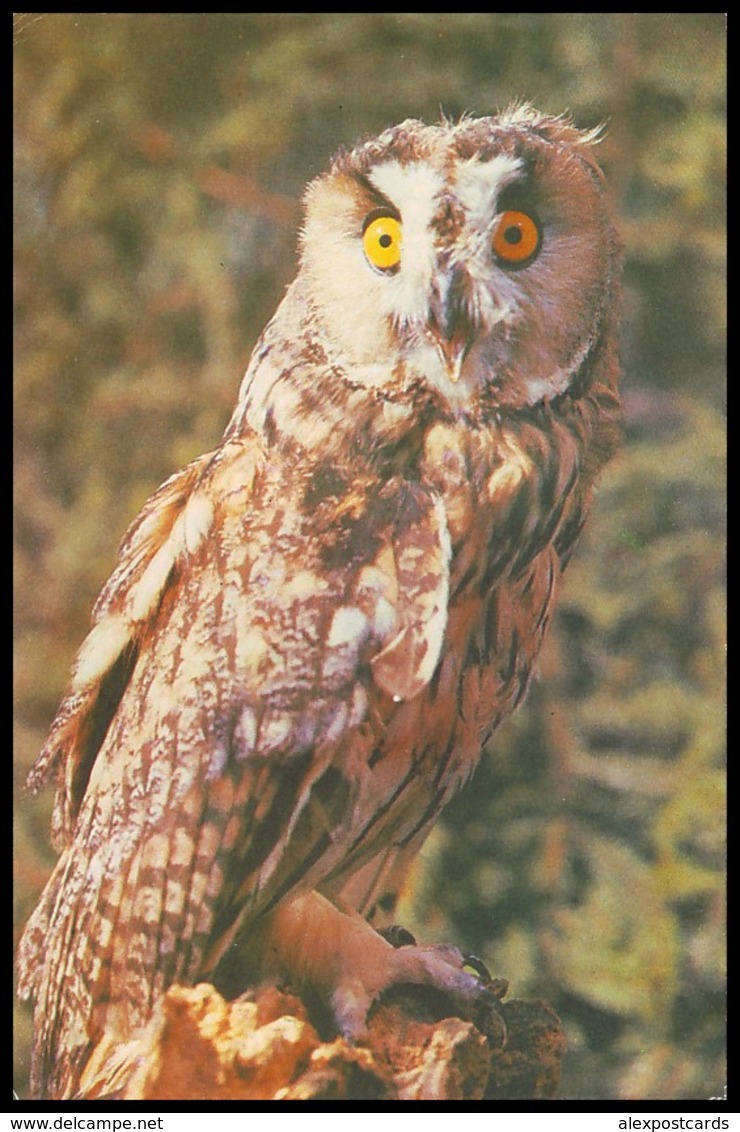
[[449, 328], [453, 352]]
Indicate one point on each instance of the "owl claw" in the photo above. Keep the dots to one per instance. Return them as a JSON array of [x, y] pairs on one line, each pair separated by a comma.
[[497, 986], [477, 965], [397, 936], [470, 996]]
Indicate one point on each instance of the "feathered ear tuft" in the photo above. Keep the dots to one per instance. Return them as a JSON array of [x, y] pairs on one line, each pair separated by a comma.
[[555, 127]]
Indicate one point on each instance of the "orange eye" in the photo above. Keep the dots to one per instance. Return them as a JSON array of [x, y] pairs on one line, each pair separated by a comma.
[[382, 240], [516, 238]]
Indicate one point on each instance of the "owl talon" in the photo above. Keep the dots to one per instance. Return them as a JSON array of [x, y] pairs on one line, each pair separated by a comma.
[[497, 986], [476, 964], [397, 936], [470, 996]]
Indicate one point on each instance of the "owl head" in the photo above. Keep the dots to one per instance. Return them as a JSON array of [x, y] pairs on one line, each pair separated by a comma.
[[476, 257]]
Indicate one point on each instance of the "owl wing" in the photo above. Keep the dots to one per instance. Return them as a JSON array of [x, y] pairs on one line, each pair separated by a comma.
[[146, 561], [212, 742]]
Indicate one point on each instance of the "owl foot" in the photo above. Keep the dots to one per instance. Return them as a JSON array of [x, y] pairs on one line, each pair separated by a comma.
[[398, 936], [442, 968], [336, 956]]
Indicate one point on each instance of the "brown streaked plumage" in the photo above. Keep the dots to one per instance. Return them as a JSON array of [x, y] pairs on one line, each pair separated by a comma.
[[312, 630]]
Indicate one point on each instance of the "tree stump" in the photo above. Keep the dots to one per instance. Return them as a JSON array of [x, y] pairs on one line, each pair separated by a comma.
[[265, 1046]]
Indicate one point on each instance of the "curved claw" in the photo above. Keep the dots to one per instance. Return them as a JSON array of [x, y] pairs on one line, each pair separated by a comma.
[[497, 987], [397, 936], [477, 965]]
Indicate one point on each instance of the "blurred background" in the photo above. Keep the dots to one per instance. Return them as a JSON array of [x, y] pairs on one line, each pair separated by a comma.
[[159, 165]]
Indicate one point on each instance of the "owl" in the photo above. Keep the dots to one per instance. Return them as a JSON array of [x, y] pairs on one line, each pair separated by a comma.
[[312, 630]]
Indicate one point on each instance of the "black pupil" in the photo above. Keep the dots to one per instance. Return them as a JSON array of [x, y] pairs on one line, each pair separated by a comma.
[[385, 240], [512, 235]]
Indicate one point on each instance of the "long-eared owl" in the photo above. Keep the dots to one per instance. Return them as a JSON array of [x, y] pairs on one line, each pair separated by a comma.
[[312, 629]]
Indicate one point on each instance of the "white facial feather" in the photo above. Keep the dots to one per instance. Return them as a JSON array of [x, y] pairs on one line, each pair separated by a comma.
[[415, 191], [478, 186], [558, 380]]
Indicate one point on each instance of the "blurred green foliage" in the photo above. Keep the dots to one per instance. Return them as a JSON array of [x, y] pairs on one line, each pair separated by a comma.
[[159, 162]]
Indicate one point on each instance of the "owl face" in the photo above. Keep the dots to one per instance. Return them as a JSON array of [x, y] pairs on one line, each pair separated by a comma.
[[475, 257]]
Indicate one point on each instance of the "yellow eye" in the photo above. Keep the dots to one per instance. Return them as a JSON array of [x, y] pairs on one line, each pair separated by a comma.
[[516, 238], [382, 239]]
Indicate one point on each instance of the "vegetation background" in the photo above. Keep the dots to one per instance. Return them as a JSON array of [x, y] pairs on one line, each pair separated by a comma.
[[159, 165]]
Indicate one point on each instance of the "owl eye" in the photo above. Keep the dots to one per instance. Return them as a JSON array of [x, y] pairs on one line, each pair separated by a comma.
[[382, 237], [516, 238]]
